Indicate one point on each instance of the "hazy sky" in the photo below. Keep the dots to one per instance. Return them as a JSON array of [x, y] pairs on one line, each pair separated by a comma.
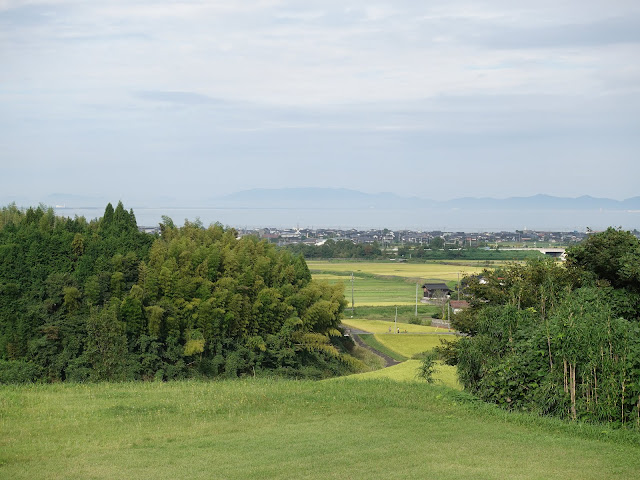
[[135, 100]]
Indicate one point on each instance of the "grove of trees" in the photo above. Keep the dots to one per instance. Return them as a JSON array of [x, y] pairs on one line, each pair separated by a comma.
[[561, 340], [101, 301]]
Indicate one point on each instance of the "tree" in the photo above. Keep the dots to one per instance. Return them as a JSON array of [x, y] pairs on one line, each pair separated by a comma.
[[428, 367], [106, 344], [612, 255], [437, 243]]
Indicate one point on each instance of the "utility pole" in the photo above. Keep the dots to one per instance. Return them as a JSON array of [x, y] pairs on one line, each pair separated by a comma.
[[352, 303], [396, 322], [416, 300], [458, 285]]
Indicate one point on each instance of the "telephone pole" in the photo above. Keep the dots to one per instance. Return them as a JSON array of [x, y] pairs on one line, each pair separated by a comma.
[[352, 303]]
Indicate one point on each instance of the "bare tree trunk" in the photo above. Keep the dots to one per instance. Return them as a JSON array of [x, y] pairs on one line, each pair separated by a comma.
[[566, 383], [622, 403], [572, 375], [546, 323]]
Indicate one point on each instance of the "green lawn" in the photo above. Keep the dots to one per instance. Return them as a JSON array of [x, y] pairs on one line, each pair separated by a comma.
[[277, 429]]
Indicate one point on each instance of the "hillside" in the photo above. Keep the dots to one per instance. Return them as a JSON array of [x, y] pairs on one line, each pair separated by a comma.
[[265, 429]]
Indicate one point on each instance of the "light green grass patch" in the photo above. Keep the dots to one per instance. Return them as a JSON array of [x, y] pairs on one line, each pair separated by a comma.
[[410, 345], [273, 429], [406, 372], [383, 326], [374, 291], [371, 340]]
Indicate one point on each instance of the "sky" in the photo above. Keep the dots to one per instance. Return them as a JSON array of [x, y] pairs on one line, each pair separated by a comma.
[[145, 100]]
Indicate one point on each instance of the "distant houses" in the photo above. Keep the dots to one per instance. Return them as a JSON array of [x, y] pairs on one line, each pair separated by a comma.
[[435, 291], [458, 305]]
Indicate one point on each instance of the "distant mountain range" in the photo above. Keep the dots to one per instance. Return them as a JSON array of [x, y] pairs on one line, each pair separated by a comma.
[[344, 198]]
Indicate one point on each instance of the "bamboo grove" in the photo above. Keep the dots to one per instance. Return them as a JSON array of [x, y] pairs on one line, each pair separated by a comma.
[[101, 301], [560, 340]]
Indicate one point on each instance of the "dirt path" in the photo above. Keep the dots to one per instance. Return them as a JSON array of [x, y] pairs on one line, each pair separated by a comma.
[[356, 338]]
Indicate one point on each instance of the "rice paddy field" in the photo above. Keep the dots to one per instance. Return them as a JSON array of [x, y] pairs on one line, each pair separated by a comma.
[[388, 326], [410, 345], [432, 271], [389, 284]]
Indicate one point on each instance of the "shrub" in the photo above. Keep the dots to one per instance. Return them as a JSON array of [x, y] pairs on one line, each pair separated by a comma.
[[18, 371]]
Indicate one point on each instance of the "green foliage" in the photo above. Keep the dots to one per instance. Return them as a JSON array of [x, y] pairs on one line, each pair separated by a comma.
[[18, 371], [561, 341], [428, 367], [337, 249], [101, 301]]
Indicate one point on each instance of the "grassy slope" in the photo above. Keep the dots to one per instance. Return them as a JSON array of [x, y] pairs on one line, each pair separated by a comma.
[[263, 429], [373, 342], [406, 372], [409, 345]]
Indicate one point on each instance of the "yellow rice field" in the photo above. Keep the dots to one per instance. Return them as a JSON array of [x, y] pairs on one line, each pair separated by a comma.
[[412, 344], [424, 271]]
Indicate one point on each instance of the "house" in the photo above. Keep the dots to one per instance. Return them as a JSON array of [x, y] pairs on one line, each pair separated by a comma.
[[436, 290], [458, 305]]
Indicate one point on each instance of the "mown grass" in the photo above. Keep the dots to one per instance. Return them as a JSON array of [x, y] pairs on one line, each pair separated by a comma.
[[276, 429]]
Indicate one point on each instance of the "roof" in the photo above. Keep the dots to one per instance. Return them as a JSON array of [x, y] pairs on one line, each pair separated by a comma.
[[436, 286], [459, 304]]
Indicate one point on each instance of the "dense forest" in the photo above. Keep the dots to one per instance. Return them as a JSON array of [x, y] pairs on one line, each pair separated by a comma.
[[561, 340], [99, 300]]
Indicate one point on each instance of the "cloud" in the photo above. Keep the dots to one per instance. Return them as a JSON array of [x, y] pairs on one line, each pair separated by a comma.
[[249, 92], [600, 32], [185, 98]]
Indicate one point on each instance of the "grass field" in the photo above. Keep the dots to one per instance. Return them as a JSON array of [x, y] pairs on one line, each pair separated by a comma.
[[388, 284], [409, 345], [276, 429], [406, 372], [374, 291], [432, 271], [371, 340]]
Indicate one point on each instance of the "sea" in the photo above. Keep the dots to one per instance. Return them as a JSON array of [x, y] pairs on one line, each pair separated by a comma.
[[416, 219]]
